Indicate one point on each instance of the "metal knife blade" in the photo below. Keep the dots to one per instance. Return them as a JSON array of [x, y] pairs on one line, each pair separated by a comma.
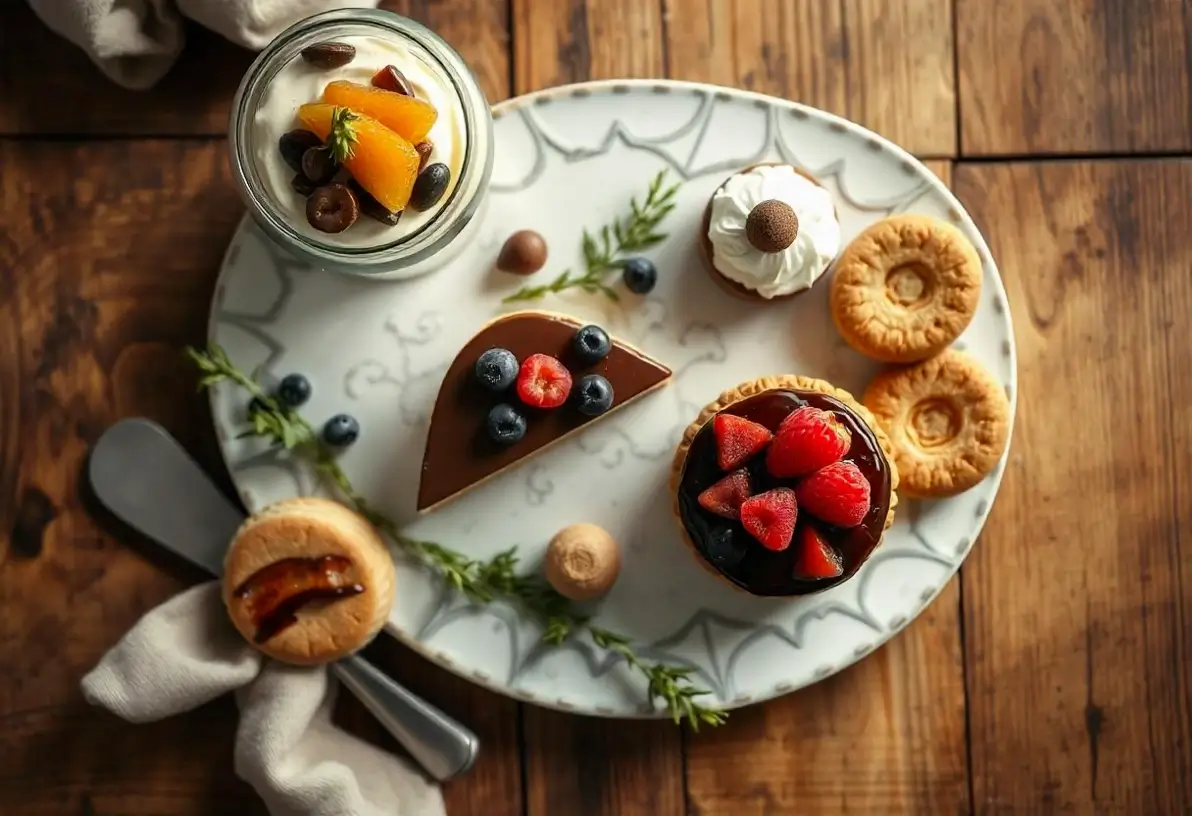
[[151, 483]]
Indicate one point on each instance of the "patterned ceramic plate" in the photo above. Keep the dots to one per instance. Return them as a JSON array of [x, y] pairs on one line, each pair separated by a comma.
[[568, 158]]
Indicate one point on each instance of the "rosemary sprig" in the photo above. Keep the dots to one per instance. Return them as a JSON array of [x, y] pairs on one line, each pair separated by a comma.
[[341, 141], [633, 233], [481, 581]]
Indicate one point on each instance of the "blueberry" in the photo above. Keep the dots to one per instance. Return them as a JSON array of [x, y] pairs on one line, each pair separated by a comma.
[[496, 369], [294, 390], [341, 430], [591, 344], [639, 275], [505, 424], [722, 548], [594, 395]]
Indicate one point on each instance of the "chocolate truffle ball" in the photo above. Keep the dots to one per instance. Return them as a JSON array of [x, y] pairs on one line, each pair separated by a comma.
[[772, 226], [524, 253]]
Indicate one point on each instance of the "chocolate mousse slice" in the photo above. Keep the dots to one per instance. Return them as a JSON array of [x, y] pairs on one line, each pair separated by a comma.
[[543, 376]]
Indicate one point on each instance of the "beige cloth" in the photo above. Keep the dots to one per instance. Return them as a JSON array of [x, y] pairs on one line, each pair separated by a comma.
[[135, 42], [185, 653]]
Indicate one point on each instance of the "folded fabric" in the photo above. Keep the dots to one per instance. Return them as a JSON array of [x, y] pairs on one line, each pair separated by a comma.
[[135, 42], [185, 653]]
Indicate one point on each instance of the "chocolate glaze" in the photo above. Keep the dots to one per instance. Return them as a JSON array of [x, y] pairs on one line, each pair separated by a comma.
[[747, 563], [459, 453], [275, 592]]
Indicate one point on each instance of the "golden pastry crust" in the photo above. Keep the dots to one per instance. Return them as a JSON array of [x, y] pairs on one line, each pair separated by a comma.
[[781, 382], [905, 288], [311, 528], [947, 420]]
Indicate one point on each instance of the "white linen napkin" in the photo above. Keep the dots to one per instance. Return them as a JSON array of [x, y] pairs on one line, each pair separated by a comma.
[[135, 42], [185, 653]]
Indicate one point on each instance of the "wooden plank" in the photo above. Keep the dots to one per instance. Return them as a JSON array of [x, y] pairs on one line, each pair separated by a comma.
[[67, 94], [564, 41], [888, 66], [583, 766], [884, 736], [1085, 76], [107, 261], [1078, 603], [579, 765]]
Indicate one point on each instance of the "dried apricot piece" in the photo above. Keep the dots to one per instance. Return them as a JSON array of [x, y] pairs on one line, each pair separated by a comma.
[[412, 118], [380, 161]]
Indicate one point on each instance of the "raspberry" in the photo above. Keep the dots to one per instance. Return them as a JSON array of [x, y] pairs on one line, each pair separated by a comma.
[[737, 439], [543, 382], [817, 558], [770, 517], [725, 497], [807, 440], [837, 494]]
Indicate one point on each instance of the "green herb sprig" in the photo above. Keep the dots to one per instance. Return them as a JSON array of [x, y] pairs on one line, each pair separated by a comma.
[[634, 232], [341, 141], [481, 581]]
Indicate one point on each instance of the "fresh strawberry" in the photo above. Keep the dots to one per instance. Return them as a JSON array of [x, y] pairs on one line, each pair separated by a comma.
[[770, 517], [726, 496], [817, 558], [807, 440], [543, 382], [737, 439], [837, 494]]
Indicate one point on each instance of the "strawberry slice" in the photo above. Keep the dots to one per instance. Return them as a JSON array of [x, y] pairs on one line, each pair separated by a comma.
[[543, 382], [837, 494], [726, 496], [817, 558], [737, 439], [770, 517]]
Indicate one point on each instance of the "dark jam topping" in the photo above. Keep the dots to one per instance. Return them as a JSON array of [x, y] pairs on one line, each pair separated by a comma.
[[274, 594], [733, 552]]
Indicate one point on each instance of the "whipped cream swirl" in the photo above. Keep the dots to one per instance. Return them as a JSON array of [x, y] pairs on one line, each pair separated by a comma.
[[773, 274]]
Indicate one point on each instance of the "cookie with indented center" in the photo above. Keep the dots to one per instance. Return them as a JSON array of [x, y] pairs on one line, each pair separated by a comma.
[[905, 288], [947, 419]]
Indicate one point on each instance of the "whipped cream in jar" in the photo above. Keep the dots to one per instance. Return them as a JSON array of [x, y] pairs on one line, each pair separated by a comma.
[[280, 81], [810, 232]]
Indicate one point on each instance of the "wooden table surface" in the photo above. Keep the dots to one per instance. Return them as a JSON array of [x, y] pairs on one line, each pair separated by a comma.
[[1053, 676]]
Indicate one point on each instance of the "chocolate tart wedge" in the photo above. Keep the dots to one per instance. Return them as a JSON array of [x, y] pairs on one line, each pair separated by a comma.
[[459, 453]]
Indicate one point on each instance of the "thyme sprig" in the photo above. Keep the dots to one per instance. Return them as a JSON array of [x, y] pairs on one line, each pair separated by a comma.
[[604, 252], [481, 581]]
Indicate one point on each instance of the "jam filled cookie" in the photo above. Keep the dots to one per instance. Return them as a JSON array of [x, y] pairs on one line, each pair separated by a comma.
[[947, 420], [905, 288], [308, 581], [783, 486], [769, 232]]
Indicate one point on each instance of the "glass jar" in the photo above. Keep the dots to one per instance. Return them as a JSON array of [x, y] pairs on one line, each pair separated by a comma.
[[385, 253]]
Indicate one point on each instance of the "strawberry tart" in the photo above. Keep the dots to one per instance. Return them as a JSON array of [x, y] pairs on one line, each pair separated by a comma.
[[784, 486]]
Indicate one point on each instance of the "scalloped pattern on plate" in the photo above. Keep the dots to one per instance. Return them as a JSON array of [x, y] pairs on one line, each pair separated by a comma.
[[567, 158]]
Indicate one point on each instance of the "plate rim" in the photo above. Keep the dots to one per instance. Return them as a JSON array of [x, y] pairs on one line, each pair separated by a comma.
[[592, 88]]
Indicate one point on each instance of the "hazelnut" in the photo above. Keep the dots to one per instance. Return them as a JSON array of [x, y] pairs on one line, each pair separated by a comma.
[[582, 562], [524, 253], [772, 226]]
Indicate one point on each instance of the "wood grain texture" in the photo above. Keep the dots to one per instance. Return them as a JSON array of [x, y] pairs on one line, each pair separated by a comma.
[[1084, 76], [564, 41], [107, 250], [886, 735], [1078, 599], [886, 65], [70, 96]]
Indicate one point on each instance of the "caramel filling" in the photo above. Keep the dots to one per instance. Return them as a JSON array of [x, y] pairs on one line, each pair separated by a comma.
[[933, 422]]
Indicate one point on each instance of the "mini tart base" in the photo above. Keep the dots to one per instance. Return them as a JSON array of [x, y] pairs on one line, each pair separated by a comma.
[[782, 382], [707, 251], [310, 528]]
